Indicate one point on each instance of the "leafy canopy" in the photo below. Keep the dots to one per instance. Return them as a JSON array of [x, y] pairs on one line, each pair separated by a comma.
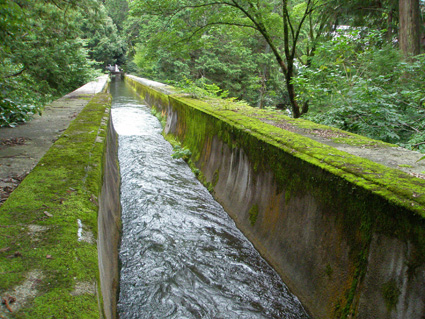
[[48, 48]]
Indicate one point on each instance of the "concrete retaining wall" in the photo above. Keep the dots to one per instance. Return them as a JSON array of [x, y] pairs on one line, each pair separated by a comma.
[[346, 234], [63, 215], [109, 226]]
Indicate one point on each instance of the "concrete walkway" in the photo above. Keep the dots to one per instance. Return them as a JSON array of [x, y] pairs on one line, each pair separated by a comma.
[[23, 146]]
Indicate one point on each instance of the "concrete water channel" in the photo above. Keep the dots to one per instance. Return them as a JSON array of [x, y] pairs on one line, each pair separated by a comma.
[[181, 254], [341, 218]]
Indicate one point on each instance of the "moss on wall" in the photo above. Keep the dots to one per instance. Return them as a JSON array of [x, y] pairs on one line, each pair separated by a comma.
[[253, 214], [359, 196], [40, 223], [391, 293], [151, 95], [240, 129], [258, 138]]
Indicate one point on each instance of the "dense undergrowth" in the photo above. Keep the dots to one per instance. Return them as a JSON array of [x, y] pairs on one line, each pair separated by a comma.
[[360, 83]]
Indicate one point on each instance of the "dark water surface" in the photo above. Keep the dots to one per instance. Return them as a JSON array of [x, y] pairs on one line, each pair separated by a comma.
[[182, 255]]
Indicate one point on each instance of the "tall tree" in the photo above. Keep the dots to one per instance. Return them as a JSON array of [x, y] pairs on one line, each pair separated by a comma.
[[410, 32], [41, 54], [117, 10], [226, 55], [274, 20], [104, 42]]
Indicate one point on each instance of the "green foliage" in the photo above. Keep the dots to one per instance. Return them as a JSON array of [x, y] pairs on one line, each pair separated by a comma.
[[181, 152], [391, 293], [216, 97], [382, 15], [11, 112], [173, 50], [359, 83], [103, 40], [160, 116], [202, 91], [41, 54], [356, 80], [49, 48], [117, 10], [253, 214]]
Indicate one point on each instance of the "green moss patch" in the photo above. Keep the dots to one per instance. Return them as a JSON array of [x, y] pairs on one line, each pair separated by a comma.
[[391, 293], [253, 214], [236, 129], [41, 220], [237, 124]]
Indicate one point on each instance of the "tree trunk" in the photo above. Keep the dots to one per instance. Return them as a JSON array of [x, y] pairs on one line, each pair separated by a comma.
[[409, 35], [263, 76], [296, 112], [390, 26]]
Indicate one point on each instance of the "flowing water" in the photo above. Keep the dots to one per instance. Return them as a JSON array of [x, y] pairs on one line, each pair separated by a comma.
[[181, 254]]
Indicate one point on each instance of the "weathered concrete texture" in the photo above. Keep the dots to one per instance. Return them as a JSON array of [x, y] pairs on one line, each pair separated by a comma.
[[38, 135], [292, 232], [109, 227], [394, 157], [49, 254], [390, 272], [347, 235]]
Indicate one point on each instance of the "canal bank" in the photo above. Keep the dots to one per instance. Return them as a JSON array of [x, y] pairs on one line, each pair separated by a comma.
[[347, 234], [48, 225]]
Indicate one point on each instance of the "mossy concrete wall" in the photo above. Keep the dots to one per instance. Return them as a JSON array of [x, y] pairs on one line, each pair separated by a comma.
[[49, 226], [109, 226], [346, 234]]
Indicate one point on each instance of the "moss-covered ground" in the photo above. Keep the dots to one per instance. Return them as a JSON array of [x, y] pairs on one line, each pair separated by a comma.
[[44, 264]]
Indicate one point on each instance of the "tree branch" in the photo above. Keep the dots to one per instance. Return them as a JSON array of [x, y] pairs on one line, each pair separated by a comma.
[[416, 145], [202, 28], [307, 12], [287, 19], [262, 29], [286, 24], [15, 74]]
